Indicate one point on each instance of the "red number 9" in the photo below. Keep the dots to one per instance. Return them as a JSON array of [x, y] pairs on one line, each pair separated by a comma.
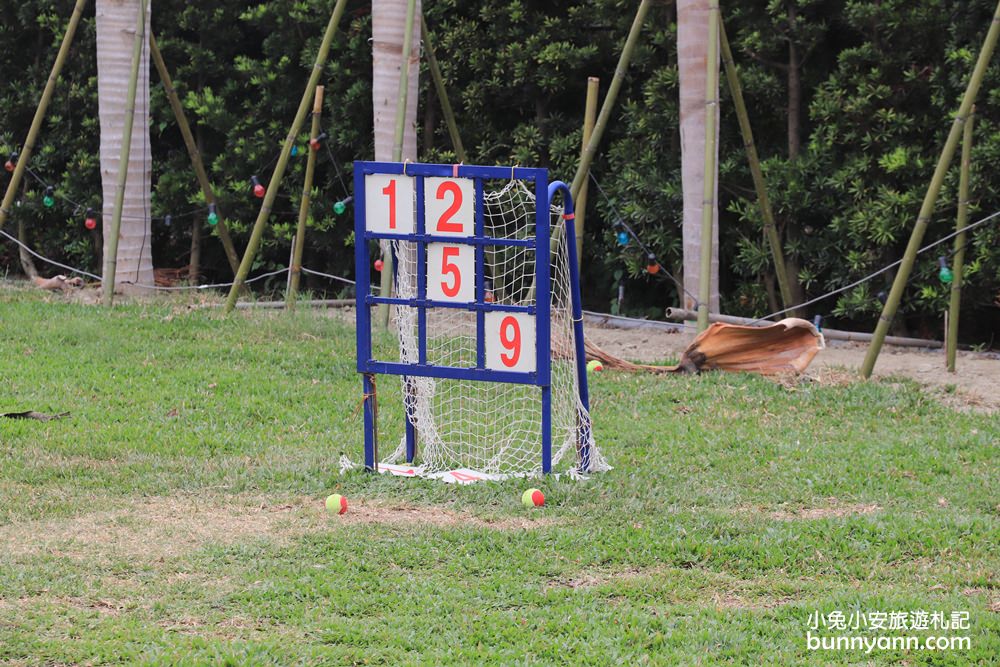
[[510, 340]]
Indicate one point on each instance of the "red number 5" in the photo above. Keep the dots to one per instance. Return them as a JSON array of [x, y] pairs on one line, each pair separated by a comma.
[[452, 268], [510, 340]]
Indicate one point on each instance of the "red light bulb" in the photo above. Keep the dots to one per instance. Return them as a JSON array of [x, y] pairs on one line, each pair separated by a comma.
[[91, 221], [317, 141], [378, 264], [9, 165], [258, 189], [653, 267]]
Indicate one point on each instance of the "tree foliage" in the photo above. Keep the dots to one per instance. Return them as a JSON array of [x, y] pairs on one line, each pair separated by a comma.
[[878, 86]]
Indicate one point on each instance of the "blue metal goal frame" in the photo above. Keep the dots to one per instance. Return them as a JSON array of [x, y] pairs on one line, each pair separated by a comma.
[[541, 377]]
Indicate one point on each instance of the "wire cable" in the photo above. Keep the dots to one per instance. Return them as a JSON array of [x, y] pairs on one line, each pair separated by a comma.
[[929, 246], [46, 259]]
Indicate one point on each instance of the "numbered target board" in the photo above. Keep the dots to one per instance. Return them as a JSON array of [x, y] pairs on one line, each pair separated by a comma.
[[436, 213]]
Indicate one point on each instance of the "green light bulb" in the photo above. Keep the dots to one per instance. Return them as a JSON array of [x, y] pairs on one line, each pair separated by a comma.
[[213, 217], [48, 200], [341, 206], [944, 273]]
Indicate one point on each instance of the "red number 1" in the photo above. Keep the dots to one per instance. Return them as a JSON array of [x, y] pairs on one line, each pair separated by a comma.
[[510, 339], [390, 191]]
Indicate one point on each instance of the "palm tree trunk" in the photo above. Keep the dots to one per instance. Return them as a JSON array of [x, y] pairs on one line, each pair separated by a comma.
[[388, 22], [116, 23], [692, 55], [389, 18]]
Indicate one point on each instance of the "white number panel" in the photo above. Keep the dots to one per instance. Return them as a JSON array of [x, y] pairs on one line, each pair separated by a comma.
[[449, 206], [510, 342], [451, 272], [389, 204]]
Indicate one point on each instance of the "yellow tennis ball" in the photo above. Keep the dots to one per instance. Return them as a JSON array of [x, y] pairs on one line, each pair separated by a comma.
[[336, 503], [532, 498], [594, 365]]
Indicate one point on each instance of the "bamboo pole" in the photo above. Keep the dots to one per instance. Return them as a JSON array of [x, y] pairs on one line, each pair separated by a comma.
[[930, 199], [279, 169], [711, 166], [43, 105], [759, 184], [295, 268], [958, 263], [193, 152], [111, 257], [609, 100], [589, 118], [397, 146], [442, 93]]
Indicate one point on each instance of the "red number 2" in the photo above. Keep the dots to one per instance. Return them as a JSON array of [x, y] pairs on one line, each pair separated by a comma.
[[452, 268], [510, 340], [390, 191], [444, 222]]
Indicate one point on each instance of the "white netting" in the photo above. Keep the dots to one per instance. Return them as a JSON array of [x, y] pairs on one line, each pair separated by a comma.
[[490, 426]]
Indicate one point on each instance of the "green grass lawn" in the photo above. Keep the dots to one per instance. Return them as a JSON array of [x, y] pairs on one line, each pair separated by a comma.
[[176, 516]]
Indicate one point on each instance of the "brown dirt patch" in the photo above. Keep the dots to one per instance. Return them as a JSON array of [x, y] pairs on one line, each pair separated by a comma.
[[833, 509], [598, 577], [730, 600], [808, 513], [159, 528], [721, 591], [402, 515]]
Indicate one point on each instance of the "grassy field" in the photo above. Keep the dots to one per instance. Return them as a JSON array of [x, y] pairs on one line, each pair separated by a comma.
[[175, 517]]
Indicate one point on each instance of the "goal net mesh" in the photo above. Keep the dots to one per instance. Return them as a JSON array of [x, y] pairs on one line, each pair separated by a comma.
[[492, 427]]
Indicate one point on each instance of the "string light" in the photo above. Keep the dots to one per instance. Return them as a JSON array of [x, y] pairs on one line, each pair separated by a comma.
[[258, 190], [168, 220], [341, 206], [621, 234], [213, 217], [49, 200], [317, 141], [378, 264], [90, 222], [944, 273], [818, 322], [652, 266], [10, 163], [295, 151]]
